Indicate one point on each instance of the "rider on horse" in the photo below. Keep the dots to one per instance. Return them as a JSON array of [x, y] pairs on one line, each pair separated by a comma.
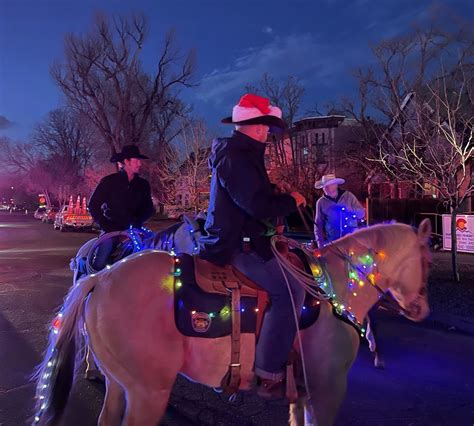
[[241, 201], [121, 200]]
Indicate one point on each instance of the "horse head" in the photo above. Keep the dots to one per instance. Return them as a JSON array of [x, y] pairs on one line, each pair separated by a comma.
[[410, 286]]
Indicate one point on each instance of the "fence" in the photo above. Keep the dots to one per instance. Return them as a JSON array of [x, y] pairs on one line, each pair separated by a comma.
[[405, 210]]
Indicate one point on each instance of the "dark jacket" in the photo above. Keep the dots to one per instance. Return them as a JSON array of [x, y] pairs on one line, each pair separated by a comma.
[[241, 200], [117, 203]]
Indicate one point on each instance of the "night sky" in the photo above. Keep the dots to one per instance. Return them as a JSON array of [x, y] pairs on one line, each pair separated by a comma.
[[320, 41]]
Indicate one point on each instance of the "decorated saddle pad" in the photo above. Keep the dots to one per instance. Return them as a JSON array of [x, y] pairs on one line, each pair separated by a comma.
[[201, 314]]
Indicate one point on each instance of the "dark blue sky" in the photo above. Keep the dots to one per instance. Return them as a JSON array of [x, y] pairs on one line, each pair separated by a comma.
[[320, 41]]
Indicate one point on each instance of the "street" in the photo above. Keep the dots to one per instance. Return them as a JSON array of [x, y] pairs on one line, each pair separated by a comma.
[[428, 378]]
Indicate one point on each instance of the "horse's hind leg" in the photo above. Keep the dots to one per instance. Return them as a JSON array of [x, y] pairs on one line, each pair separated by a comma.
[[114, 405], [145, 407], [297, 412]]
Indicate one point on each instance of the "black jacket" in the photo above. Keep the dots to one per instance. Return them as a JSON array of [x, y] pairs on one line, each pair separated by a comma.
[[117, 203], [241, 200]]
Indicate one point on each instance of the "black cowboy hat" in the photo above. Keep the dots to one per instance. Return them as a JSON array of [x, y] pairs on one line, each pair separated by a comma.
[[128, 151], [268, 120]]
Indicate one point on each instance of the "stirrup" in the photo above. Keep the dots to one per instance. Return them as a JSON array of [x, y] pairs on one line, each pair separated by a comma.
[[270, 389]]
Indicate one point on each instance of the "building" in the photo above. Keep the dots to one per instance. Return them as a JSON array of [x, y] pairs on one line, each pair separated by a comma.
[[319, 146]]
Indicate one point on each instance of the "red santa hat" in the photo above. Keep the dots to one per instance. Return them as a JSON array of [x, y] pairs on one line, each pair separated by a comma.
[[254, 109]]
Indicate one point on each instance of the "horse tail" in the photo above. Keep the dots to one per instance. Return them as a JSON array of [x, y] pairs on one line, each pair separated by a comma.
[[55, 375]]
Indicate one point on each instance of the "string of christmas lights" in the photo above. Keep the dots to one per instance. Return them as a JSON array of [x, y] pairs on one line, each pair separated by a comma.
[[46, 373]]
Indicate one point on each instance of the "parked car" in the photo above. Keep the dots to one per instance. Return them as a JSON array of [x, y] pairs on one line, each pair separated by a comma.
[[39, 213], [50, 215], [67, 218], [20, 208]]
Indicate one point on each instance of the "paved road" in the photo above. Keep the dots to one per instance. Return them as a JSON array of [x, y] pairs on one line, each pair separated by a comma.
[[429, 377]]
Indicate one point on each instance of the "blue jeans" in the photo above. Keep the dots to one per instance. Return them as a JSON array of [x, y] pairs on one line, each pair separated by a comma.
[[278, 329], [103, 253]]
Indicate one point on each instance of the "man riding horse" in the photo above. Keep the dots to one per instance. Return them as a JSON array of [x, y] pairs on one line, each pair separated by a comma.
[[241, 199], [121, 200]]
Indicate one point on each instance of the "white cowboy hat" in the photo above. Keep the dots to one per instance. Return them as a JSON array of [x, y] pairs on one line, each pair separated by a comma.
[[328, 180]]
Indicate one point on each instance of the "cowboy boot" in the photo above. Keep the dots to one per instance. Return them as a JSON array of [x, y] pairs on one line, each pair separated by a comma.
[[270, 389]]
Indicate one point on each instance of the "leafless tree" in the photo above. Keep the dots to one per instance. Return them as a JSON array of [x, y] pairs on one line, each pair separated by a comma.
[[437, 148], [422, 90], [186, 171], [287, 95], [103, 78], [54, 162], [68, 136]]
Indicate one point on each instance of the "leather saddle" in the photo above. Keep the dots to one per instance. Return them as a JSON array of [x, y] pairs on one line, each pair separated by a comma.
[[212, 278]]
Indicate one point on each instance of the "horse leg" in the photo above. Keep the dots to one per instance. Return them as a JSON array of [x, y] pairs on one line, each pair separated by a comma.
[[330, 347], [297, 412], [371, 337], [145, 407], [114, 404], [92, 371]]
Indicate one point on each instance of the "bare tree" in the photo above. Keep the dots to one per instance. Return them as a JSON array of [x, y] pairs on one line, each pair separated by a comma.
[[438, 146], [23, 161], [285, 149], [187, 170], [423, 91], [68, 136], [103, 79], [55, 161]]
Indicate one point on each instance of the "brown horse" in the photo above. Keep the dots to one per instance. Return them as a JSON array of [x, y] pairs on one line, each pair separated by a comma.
[[129, 316]]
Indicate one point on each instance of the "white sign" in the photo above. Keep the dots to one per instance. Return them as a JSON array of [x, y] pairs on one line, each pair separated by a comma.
[[464, 232]]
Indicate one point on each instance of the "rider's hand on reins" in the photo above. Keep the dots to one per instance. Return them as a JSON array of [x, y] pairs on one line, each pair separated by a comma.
[[300, 200]]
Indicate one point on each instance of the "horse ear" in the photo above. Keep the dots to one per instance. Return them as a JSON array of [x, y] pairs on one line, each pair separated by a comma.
[[424, 230], [186, 219]]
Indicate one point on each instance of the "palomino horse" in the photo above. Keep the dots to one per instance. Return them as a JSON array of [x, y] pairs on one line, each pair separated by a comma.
[[129, 316]]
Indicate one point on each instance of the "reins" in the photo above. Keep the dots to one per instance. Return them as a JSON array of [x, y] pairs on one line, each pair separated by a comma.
[[391, 304]]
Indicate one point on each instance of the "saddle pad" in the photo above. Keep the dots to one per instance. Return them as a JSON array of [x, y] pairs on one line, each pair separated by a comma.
[[201, 314]]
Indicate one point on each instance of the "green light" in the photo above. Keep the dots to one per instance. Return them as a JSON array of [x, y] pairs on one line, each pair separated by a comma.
[[225, 313]]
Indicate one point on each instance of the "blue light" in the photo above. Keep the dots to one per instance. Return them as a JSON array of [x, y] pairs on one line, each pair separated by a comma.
[[304, 308], [242, 310]]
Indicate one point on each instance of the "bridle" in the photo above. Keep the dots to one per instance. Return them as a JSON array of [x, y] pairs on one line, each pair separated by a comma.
[[389, 302]]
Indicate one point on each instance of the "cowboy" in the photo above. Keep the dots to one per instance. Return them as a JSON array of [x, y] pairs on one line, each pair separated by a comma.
[[337, 211], [242, 202], [121, 200]]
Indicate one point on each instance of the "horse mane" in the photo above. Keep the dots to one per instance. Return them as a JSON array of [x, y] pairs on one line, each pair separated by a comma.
[[380, 235]]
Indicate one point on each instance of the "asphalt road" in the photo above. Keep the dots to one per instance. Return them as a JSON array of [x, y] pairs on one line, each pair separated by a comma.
[[428, 380]]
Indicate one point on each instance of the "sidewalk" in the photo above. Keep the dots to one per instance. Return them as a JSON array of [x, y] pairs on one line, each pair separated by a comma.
[[451, 303]]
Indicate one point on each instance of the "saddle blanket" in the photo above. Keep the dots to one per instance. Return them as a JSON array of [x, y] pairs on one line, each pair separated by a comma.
[[201, 314]]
